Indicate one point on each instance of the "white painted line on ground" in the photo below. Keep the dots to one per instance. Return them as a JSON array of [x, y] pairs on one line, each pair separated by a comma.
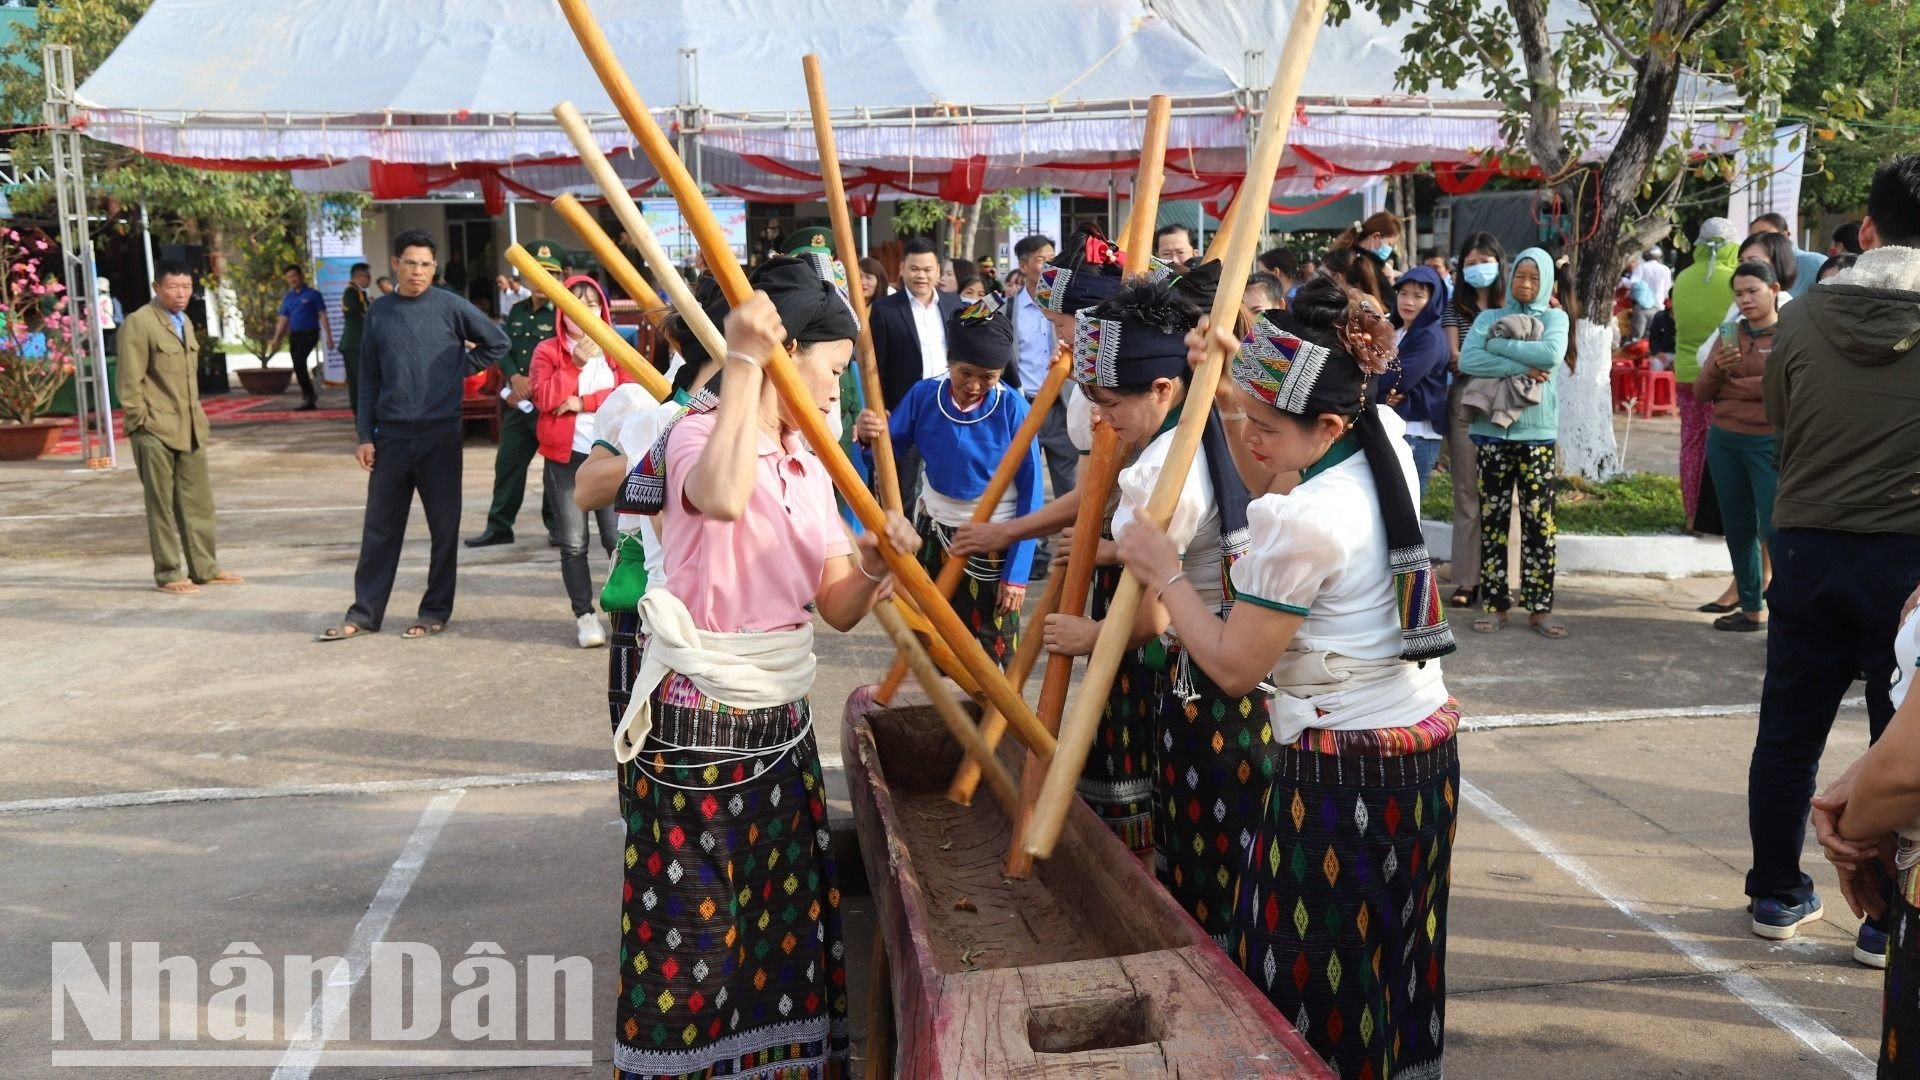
[[123, 799], [1757, 995], [236, 794], [304, 1053], [233, 511], [1522, 720]]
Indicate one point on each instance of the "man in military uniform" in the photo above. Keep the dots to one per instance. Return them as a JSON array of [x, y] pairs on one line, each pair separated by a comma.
[[527, 325], [815, 245]]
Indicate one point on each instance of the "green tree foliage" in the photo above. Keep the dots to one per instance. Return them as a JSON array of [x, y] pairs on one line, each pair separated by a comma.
[[1871, 48], [231, 213]]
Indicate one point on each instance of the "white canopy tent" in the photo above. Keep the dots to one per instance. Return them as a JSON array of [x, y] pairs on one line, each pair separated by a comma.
[[931, 97]]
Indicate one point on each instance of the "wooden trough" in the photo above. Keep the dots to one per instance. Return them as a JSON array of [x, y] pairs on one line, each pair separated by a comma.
[[1085, 969]]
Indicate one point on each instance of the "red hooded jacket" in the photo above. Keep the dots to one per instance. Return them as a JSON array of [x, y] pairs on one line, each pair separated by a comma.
[[556, 377]]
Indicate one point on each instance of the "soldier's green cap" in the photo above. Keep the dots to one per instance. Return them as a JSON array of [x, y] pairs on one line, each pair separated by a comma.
[[803, 241], [547, 253]]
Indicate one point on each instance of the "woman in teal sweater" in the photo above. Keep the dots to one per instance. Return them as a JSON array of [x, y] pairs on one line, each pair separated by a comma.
[[1525, 337]]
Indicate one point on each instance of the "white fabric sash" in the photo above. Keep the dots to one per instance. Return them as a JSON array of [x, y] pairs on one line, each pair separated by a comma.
[[745, 671]]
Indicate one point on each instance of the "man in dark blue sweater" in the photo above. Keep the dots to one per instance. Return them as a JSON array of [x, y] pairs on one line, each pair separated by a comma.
[[418, 346]]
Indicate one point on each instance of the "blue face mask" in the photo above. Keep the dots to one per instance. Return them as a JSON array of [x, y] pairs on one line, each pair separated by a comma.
[[1385, 251], [1480, 275]]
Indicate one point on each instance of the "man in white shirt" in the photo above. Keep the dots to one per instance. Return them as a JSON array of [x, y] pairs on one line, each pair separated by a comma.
[[1036, 342], [1658, 280]]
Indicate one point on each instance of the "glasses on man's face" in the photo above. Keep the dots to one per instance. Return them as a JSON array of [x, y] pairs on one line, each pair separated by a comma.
[[416, 264]]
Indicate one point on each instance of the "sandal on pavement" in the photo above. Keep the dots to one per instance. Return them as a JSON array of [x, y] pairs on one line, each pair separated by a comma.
[[1552, 631], [343, 632], [224, 577], [178, 588], [1463, 598], [422, 630], [1489, 624]]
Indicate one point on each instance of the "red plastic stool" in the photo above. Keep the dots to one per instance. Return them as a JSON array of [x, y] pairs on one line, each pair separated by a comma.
[[1625, 378], [1657, 393]]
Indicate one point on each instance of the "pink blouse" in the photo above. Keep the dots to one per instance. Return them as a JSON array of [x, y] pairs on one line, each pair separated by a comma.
[[760, 572]]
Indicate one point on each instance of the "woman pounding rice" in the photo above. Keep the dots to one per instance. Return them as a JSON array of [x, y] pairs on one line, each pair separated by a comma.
[[731, 960], [1212, 748], [1340, 912]]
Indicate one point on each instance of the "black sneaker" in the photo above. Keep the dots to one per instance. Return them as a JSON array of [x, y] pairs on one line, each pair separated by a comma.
[[1738, 623], [489, 539]]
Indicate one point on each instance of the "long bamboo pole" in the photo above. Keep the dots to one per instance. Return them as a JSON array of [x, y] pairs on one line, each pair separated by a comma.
[[1227, 218], [603, 335], [997, 485], [1103, 470], [962, 727], [780, 371], [624, 273], [992, 725], [627, 212], [1144, 215], [1076, 736], [886, 472]]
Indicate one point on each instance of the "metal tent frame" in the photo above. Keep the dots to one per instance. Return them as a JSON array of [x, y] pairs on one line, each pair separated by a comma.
[[93, 403]]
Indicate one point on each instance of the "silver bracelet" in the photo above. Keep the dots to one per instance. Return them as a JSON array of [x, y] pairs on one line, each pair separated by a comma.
[[1165, 585], [861, 565], [735, 354]]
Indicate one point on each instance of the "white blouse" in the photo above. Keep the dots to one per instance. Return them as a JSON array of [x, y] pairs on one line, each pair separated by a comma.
[[1320, 552], [1195, 525]]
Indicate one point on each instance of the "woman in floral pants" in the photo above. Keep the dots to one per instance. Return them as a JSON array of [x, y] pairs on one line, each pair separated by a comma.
[[1524, 339]]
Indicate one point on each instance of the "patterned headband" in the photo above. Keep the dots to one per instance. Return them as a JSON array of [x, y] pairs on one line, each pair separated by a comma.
[[1115, 352], [833, 272], [1278, 368], [984, 308]]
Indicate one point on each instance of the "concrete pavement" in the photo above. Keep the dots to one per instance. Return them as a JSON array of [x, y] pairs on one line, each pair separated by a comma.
[[1597, 927]]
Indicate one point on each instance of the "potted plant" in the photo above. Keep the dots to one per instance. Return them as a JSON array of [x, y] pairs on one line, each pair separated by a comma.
[[34, 361], [257, 292]]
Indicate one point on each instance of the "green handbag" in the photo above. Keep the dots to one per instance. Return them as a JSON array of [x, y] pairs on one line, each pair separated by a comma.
[[628, 578]]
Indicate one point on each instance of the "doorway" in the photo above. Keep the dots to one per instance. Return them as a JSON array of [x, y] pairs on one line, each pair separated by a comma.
[[472, 256]]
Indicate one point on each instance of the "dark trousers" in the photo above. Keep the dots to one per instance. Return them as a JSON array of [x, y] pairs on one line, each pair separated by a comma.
[[301, 344], [350, 356], [519, 445], [1528, 469], [402, 465], [906, 465], [1056, 446], [572, 522], [1835, 603]]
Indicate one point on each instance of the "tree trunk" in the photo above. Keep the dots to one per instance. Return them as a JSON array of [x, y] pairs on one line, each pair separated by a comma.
[[969, 233]]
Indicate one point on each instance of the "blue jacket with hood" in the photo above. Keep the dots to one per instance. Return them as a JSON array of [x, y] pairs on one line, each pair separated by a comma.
[[1422, 374], [1498, 358]]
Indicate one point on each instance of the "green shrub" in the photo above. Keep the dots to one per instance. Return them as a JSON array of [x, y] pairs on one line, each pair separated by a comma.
[[1632, 504]]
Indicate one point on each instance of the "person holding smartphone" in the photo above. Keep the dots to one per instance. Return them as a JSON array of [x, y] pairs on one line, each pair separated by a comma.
[[1741, 443]]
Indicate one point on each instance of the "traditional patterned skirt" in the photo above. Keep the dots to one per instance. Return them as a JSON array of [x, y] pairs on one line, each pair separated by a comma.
[[1215, 759], [623, 663], [1900, 995], [1117, 780], [731, 957], [977, 598], [1341, 916]]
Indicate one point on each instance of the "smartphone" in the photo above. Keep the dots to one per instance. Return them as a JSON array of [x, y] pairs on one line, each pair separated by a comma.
[[1730, 335]]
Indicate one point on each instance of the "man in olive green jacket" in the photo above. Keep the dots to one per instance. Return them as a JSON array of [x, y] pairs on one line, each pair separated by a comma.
[[168, 430]]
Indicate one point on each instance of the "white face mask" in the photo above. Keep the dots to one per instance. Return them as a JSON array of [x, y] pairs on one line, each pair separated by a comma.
[[834, 423]]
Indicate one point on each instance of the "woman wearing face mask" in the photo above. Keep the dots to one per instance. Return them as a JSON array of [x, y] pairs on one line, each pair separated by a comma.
[[726, 834], [1526, 337], [1482, 288], [571, 378], [1213, 747], [962, 424], [1740, 445], [1375, 236], [1340, 915]]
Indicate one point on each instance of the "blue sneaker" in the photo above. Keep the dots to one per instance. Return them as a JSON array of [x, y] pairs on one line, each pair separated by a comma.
[[1870, 947], [1776, 921]]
